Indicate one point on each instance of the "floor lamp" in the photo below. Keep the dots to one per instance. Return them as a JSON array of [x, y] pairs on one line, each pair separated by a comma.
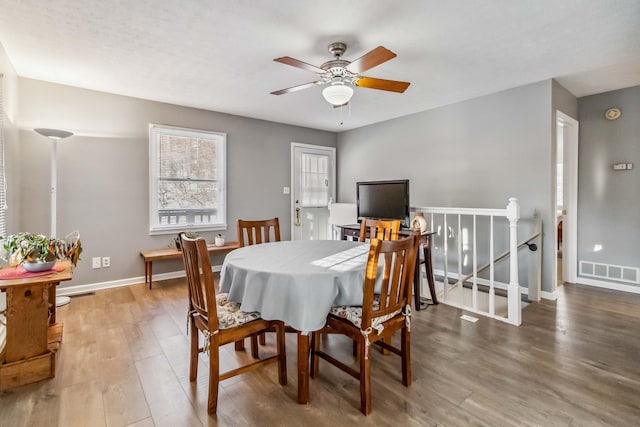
[[54, 135]]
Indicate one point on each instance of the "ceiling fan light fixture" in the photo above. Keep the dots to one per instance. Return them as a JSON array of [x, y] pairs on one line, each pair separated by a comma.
[[337, 94]]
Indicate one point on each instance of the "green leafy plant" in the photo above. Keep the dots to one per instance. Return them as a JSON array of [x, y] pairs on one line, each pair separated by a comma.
[[188, 233], [31, 247]]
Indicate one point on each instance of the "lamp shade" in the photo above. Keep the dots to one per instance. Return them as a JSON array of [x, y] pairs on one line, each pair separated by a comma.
[[337, 94]]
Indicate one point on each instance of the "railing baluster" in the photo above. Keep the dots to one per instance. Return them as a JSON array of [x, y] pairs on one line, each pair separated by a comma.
[[433, 247], [492, 290], [446, 260], [459, 238], [475, 269], [513, 298]]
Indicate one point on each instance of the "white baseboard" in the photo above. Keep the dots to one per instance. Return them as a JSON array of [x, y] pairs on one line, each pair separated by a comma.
[[549, 295], [608, 285], [92, 287]]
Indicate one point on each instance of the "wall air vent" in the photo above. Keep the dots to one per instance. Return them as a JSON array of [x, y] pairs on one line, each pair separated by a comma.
[[618, 273]]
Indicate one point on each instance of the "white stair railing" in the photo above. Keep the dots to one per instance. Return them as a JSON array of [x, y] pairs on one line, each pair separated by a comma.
[[473, 243]]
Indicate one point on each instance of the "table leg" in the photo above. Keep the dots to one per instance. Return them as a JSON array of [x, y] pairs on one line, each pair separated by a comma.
[[416, 283], [150, 274], [52, 303], [428, 266], [303, 368]]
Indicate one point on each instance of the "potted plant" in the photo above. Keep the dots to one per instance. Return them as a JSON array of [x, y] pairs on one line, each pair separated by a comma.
[[188, 233], [37, 252]]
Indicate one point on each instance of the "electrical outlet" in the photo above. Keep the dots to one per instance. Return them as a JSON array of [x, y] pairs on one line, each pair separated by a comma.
[[95, 262], [106, 261], [286, 190]]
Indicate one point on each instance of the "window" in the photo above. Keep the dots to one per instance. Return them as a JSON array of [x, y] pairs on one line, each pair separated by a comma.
[[187, 188], [3, 183]]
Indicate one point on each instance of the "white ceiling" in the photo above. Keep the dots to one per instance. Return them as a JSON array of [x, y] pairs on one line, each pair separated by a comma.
[[218, 55]]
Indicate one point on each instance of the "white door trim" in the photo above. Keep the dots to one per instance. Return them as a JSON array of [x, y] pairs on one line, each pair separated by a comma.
[[570, 227]]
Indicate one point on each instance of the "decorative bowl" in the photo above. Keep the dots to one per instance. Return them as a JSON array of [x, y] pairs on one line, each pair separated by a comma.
[[38, 266]]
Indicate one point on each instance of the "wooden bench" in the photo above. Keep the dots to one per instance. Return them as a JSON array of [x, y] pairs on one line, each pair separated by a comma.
[[149, 256]]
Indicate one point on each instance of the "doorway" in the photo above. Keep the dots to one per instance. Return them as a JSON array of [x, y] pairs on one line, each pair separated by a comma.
[[566, 200], [313, 182]]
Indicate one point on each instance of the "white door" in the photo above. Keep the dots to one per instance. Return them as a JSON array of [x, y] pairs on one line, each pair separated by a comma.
[[313, 182]]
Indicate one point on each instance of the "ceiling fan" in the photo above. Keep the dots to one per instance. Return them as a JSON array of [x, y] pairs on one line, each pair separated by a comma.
[[341, 74]]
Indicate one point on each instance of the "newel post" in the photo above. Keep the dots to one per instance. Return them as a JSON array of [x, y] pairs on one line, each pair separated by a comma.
[[513, 301]]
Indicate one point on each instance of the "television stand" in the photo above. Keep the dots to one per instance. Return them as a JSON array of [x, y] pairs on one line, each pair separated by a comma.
[[353, 230]]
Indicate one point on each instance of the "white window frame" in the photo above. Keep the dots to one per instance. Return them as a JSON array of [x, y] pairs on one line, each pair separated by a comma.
[[220, 138], [3, 178]]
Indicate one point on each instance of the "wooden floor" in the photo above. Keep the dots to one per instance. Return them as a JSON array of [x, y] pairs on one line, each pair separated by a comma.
[[124, 361]]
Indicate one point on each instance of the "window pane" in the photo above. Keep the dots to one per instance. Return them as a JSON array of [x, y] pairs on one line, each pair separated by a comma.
[[315, 180], [186, 194], [185, 157]]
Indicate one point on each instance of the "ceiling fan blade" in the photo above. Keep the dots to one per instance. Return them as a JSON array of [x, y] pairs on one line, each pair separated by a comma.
[[299, 64], [381, 84], [371, 59], [296, 88]]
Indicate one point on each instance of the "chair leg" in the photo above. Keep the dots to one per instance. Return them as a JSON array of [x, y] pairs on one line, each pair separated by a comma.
[[214, 375], [282, 354], [263, 338], [315, 360], [193, 352], [239, 345], [355, 349], [387, 340], [254, 347], [365, 379], [405, 348]]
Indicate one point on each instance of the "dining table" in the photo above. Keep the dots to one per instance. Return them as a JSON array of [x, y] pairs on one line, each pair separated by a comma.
[[297, 282]]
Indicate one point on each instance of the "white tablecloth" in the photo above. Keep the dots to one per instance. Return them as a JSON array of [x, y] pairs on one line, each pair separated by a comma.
[[296, 281]]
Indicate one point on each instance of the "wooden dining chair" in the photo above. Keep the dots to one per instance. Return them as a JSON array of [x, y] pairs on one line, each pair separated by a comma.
[[253, 233], [380, 315], [379, 229], [256, 232], [221, 322]]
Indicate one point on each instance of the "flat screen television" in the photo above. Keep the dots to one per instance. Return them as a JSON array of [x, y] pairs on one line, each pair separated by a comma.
[[383, 200]]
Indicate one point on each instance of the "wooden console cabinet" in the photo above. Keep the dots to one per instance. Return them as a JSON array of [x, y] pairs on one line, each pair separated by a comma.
[[32, 334]]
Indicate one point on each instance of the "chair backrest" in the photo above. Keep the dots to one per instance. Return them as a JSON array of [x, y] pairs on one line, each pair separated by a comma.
[[202, 294], [256, 232], [398, 258], [379, 229]]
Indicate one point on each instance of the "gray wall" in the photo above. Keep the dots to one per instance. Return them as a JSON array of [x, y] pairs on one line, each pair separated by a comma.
[[103, 171], [563, 100], [475, 153], [609, 201]]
